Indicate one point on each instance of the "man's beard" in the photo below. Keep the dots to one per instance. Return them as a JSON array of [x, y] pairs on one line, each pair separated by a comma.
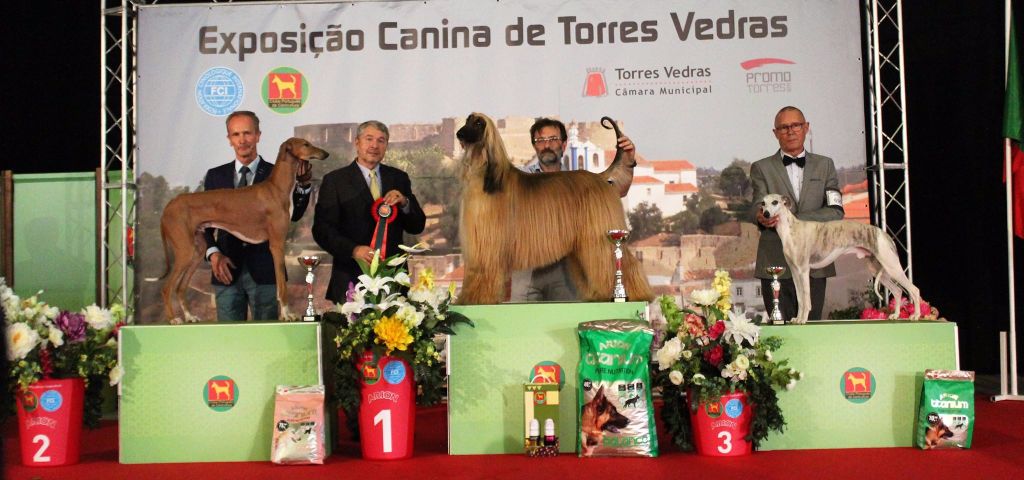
[[550, 157]]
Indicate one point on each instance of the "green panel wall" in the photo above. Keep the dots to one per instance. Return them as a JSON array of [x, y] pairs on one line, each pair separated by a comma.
[[490, 363], [164, 416], [55, 237]]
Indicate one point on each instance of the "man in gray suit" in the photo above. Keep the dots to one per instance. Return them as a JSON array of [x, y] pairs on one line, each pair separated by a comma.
[[810, 181]]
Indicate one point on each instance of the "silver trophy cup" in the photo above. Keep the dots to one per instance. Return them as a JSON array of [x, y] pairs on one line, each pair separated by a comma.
[[617, 237], [776, 315], [310, 262]]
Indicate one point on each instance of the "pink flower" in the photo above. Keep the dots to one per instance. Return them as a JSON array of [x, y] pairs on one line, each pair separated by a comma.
[[873, 314], [714, 356], [694, 324], [716, 330]]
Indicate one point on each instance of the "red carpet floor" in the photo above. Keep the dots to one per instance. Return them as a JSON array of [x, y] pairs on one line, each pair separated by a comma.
[[997, 453]]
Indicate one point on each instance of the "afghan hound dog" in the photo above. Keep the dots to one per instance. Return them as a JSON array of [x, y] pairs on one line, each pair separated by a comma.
[[512, 220]]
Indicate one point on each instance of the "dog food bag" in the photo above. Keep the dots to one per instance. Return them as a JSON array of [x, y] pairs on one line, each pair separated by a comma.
[[616, 417], [946, 417], [298, 425]]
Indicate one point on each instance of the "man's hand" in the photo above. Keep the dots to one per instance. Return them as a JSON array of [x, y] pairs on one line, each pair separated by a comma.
[[394, 197], [304, 173], [221, 266], [765, 221], [628, 149], [363, 252]]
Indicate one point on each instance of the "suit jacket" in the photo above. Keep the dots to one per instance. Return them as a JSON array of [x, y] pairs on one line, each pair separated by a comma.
[[342, 220], [254, 256], [768, 175]]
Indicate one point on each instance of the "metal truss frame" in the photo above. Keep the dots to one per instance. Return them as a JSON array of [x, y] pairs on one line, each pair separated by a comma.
[[888, 165]]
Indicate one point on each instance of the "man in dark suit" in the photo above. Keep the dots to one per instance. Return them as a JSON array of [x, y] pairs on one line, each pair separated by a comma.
[[343, 224], [810, 181], [243, 273]]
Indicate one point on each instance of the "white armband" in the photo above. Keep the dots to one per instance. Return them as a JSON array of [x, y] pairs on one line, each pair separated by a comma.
[[833, 198]]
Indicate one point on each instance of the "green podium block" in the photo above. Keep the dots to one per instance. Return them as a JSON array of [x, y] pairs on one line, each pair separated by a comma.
[[205, 393], [489, 364], [829, 410]]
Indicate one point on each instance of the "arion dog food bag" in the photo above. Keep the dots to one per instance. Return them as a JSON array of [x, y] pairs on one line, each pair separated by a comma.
[[616, 417], [298, 425], [946, 417]]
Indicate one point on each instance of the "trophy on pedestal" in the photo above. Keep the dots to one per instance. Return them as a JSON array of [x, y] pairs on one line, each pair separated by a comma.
[[617, 237], [776, 315], [310, 262]]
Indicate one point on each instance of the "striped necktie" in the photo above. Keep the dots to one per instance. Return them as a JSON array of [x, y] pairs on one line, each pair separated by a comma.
[[374, 185]]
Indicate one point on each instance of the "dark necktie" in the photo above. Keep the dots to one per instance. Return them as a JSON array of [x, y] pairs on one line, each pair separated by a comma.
[[800, 161], [243, 180]]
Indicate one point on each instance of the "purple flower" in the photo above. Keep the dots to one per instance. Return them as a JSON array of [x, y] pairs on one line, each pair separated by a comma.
[[73, 325]]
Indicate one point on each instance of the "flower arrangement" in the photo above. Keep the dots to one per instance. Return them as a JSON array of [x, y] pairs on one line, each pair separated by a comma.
[[391, 315], [904, 311], [46, 342], [710, 351]]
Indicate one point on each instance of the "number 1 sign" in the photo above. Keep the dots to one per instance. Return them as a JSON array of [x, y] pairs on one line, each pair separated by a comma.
[[387, 411]]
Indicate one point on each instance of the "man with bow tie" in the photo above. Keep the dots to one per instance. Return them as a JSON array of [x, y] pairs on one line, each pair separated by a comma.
[[810, 182]]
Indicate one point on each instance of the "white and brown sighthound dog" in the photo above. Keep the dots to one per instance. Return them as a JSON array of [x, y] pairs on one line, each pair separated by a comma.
[[512, 220], [254, 214], [826, 241]]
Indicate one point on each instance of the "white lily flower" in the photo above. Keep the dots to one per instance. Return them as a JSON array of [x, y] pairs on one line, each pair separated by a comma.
[[403, 279], [739, 328], [706, 297], [418, 248], [398, 260], [375, 284]]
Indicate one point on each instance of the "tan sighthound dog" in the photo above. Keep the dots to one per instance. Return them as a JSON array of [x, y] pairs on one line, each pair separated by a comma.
[[283, 86], [254, 214], [512, 220], [826, 241]]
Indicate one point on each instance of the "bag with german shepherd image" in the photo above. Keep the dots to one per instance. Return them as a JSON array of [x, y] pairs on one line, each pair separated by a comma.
[[946, 417], [616, 416]]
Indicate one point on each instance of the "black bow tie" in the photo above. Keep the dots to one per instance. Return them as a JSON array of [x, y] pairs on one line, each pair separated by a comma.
[[800, 161]]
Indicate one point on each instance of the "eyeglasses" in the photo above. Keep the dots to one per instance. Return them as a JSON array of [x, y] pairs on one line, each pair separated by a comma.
[[796, 127], [542, 140]]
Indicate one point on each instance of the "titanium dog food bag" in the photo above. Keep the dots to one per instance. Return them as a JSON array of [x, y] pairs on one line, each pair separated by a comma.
[[298, 425], [946, 417], [616, 416]]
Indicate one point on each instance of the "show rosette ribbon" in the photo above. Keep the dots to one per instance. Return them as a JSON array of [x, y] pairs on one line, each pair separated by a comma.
[[383, 214]]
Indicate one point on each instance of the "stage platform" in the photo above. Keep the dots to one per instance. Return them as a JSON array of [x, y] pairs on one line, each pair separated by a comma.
[[828, 409]]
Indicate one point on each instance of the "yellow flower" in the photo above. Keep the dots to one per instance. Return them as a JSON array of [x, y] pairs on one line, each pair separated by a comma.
[[425, 280], [393, 333]]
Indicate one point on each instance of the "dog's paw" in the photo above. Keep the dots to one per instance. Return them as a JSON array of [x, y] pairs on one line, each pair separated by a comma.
[[174, 321], [797, 321], [286, 315], [189, 318]]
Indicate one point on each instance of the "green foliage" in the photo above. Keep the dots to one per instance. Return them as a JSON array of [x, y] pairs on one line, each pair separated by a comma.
[[645, 220], [734, 182]]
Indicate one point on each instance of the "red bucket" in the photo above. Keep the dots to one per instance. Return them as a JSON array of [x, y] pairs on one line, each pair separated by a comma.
[[387, 410], [50, 422], [719, 427]]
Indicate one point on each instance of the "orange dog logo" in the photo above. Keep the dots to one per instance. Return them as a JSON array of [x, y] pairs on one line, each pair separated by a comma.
[[283, 85], [221, 390], [856, 381], [545, 374]]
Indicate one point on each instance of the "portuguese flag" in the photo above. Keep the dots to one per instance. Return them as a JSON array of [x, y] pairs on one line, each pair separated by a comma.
[[1013, 127]]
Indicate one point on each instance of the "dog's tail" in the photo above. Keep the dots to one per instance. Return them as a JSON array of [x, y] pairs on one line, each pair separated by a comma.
[[620, 172]]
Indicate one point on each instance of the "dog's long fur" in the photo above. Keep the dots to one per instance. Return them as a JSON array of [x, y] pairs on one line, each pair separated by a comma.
[[511, 220], [255, 214], [826, 241]]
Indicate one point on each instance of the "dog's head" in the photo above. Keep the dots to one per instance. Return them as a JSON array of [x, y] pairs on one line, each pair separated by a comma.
[[937, 430], [773, 203], [485, 151], [302, 149], [599, 415]]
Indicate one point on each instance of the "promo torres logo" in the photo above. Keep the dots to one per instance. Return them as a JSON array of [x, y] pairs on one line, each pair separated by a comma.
[[768, 75], [219, 91], [220, 393], [285, 90], [857, 385]]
